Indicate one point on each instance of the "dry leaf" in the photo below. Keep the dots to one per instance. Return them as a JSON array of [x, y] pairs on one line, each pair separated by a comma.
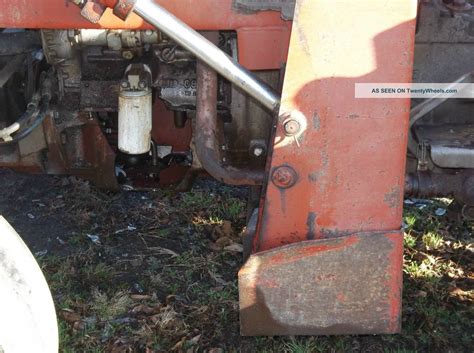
[[194, 340], [145, 309], [420, 294], [223, 242], [234, 248], [179, 345], [458, 292], [170, 298], [224, 230]]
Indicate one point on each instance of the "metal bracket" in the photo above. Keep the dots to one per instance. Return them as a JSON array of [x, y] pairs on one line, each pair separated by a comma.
[[124, 8]]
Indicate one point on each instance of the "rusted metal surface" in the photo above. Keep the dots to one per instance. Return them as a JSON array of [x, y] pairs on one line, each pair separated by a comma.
[[287, 7], [207, 134], [164, 133], [93, 11], [123, 8], [348, 285], [81, 150], [349, 154]]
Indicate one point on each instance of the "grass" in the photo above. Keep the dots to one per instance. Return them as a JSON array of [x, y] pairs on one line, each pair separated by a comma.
[[109, 307], [432, 240], [165, 286], [232, 209]]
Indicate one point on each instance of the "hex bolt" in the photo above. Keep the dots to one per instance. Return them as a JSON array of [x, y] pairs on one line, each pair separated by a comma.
[[284, 177], [124, 84], [127, 54], [142, 85], [292, 127]]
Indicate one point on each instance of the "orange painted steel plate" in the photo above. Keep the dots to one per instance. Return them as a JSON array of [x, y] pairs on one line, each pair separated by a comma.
[[349, 156], [348, 285], [263, 48]]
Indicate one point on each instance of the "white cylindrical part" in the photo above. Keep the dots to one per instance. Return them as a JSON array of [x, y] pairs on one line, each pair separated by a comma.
[[135, 121]]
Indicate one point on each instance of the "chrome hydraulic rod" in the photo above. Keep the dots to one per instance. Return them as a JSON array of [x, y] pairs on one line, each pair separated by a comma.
[[207, 52]]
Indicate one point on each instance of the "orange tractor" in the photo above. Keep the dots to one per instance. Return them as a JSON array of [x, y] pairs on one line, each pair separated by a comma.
[[135, 94]]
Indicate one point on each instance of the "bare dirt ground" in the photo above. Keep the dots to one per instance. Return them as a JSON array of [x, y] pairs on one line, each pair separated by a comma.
[[157, 271]]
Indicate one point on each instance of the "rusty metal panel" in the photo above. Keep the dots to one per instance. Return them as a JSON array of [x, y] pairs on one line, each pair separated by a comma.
[[338, 162], [348, 285]]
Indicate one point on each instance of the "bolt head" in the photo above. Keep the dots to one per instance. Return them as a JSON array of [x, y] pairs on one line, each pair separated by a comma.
[[127, 54], [292, 127], [258, 151], [284, 177]]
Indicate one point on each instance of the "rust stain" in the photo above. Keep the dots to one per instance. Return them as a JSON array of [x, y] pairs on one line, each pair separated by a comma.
[[325, 278], [393, 198], [311, 224], [291, 256], [316, 121]]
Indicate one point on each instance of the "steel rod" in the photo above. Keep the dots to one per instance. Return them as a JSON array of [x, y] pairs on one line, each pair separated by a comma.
[[207, 52]]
